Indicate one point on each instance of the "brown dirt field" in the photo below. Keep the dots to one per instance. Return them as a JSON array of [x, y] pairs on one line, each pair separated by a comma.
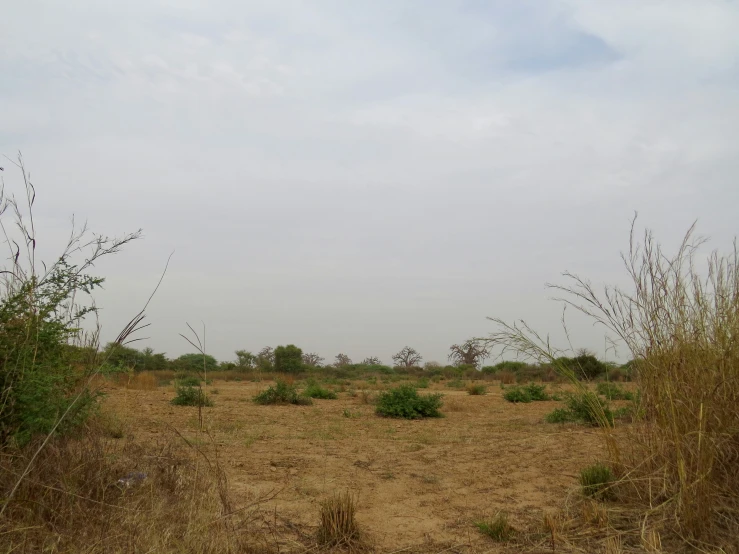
[[420, 484]]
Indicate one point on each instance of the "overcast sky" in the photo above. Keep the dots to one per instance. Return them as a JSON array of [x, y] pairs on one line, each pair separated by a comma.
[[359, 176]]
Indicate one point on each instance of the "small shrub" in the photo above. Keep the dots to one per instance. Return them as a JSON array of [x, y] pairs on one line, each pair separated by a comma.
[[281, 393], [191, 396], [313, 390], [597, 482], [455, 384], [405, 402], [612, 391], [497, 528], [516, 395], [537, 393], [187, 381], [583, 408], [476, 390], [422, 383], [338, 525]]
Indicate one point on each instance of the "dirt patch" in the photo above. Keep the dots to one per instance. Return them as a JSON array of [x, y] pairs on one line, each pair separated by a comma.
[[422, 482]]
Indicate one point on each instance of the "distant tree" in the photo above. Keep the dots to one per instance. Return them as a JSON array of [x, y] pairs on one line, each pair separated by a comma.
[[245, 360], [288, 359], [312, 359], [266, 358], [196, 362], [471, 353], [342, 360], [372, 360], [407, 357]]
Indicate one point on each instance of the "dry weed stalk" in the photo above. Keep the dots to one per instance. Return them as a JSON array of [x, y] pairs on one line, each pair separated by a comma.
[[338, 526]]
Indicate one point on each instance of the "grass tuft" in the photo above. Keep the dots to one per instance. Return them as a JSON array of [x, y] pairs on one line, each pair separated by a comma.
[[496, 528], [338, 525], [597, 482]]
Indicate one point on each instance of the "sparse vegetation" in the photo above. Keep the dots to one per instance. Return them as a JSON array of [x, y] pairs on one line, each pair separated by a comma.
[[597, 482], [314, 390], [405, 402], [517, 395], [191, 396], [612, 391], [496, 528], [583, 407], [338, 526], [476, 390], [281, 393]]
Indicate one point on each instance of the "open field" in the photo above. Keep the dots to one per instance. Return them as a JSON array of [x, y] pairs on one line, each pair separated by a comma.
[[420, 484]]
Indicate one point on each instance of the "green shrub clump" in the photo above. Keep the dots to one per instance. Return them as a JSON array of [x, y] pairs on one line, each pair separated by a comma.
[[516, 395], [281, 393], [477, 390], [585, 407], [314, 390], [597, 482], [612, 391], [188, 381], [497, 528], [288, 359], [188, 395], [528, 393], [405, 402]]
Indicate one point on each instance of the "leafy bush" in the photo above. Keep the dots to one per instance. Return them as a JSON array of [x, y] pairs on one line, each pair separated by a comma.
[[314, 390], [516, 395], [497, 528], [536, 392], [196, 362], [613, 391], [281, 393], [188, 381], [405, 402], [191, 396], [476, 390], [288, 359], [597, 482], [422, 383], [585, 407], [455, 384]]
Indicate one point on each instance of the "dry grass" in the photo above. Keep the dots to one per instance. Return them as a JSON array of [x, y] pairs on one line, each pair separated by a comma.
[[338, 525], [506, 377], [678, 479], [140, 381], [98, 495]]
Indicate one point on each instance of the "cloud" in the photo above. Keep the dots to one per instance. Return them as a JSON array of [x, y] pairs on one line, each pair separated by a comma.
[[355, 177]]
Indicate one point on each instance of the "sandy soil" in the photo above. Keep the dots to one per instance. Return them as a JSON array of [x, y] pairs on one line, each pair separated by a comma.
[[420, 484]]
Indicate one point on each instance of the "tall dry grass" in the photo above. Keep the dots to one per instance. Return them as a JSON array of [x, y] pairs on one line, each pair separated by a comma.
[[680, 322]]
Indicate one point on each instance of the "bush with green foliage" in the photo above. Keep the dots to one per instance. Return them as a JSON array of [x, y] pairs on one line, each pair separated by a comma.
[[281, 393], [516, 395], [537, 393], [288, 359], [314, 390], [612, 391], [188, 395], [597, 482], [405, 402], [476, 390], [422, 383], [195, 362], [185, 380], [455, 384], [585, 407]]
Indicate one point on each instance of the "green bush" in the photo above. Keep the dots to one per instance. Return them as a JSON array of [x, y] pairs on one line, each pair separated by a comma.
[[536, 392], [516, 395], [314, 390], [585, 407], [191, 396], [281, 393], [612, 391], [196, 362], [288, 359], [497, 528], [455, 384], [597, 482], [405, 402], [188, 381], [422, 383]]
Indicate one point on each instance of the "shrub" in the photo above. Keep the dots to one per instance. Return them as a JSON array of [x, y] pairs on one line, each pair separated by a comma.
[[405, 402], [196, 362], [338, 525], [497, 528], [476, 390], [611, 391], [422, 383], [191, 396], [281, 393], [455, 384], [536, 392], [188, 381], [506, 377], [597, 482], [516, 395], [583, 407], [314, 390], [288, 359]]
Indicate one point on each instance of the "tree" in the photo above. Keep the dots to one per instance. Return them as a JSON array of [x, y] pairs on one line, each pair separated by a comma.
[[312, 360], [407, 357], [372, 360], [288, 359], [342, 360], [472, 352], [266, 358], [196, 362], [245, 360]]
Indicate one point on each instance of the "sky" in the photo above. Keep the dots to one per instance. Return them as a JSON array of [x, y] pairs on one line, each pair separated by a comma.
[[360, 176]]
